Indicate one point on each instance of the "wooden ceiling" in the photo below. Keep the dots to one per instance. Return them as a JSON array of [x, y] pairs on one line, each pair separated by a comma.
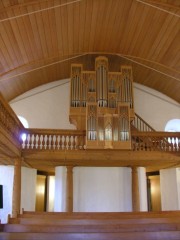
[[39, 39]]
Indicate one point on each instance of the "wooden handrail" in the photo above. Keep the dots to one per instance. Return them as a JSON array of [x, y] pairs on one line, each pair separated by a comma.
[[156, 141], [141, 125]]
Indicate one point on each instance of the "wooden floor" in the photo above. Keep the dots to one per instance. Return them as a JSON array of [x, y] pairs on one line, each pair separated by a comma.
[[93, 226]]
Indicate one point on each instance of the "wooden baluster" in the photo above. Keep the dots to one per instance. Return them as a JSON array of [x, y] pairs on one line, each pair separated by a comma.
[[34, 141], [43, 141], [38, 141], [31, 141], [55, 142], [65, 142], [60, 141], [26, 141], [74, 142], [69, 143]]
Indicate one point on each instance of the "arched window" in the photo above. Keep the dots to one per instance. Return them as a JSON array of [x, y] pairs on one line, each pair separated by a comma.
[[173, 125]]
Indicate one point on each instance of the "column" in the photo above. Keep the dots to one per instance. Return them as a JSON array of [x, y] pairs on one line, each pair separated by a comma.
[[135, 190], [16, 200], [69, 189]]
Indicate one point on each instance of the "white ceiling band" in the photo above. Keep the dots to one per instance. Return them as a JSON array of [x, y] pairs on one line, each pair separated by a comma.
[[41, 10], [161, 9], [144, 65], [44, 66]]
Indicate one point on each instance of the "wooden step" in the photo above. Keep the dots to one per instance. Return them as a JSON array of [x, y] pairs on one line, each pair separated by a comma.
[[101, 215], [153, 227], [163, 235], [51, 221]]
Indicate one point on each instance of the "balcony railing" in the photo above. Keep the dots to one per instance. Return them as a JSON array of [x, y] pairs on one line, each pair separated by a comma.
[[50, 139], [156, 141]]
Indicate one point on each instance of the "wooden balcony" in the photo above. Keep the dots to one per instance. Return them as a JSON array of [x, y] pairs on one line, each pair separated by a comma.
[[44, 149]]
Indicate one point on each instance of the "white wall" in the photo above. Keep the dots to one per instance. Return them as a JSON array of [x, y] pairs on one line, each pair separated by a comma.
[[6, 179], [28, 188], [28, 182], [170, 188], [154, 107], [102, 189], [48, 106]]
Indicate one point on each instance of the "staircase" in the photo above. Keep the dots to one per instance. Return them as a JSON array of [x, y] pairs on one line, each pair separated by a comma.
[[93, 226]]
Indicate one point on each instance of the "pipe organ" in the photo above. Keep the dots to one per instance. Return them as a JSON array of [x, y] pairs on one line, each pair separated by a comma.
[[102, 104]]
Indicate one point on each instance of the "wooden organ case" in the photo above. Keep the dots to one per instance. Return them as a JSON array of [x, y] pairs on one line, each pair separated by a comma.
[[102, 104]]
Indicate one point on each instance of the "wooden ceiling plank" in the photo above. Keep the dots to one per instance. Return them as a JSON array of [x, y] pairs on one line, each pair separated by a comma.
[[70, 25], [104, 21], [76, 26], [18, 41], [59, 28], [36, 34], [121, 26], [64, 25], [81, 28], [171, 32], [87, 25], [5, 57], [27, 27], [47, 29], [92, 29], [41, 31], [53, 31], [160, 40], [112, 19], [23, 39], [137, 41], [10, 43]]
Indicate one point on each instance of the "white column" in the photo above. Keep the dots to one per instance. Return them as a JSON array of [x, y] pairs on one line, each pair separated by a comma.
[[142, 189], [28, 180], [60, 189], [170, 188]]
